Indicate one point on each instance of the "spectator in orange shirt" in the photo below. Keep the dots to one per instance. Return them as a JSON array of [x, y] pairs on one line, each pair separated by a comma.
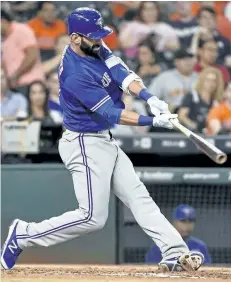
[[47, 28], [112, 40], [20, 54], [219, 117]]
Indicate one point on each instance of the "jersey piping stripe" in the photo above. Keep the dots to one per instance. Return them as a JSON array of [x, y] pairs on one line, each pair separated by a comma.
[[90, 200], [104, 100]]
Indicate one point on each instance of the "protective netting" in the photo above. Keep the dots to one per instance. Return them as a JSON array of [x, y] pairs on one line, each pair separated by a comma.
[[213, 223]]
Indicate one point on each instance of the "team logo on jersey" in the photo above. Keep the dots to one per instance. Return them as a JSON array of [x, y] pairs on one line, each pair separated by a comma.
[[106, 80]]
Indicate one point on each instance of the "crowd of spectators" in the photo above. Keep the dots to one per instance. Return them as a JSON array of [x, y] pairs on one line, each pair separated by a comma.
[[181, 50]]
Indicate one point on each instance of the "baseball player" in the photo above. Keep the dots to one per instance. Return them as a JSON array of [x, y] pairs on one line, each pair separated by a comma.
[[92, 80]]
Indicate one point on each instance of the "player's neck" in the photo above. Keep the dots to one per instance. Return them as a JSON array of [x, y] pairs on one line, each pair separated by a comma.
[[77, 50]]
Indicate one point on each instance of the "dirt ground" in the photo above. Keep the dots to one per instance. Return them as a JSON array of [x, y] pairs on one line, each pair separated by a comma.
[[103, 273]]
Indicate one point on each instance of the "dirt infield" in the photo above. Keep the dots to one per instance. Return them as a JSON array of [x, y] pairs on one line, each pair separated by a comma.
[[102, 273]]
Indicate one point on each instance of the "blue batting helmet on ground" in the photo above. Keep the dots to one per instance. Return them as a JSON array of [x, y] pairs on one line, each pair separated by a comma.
[[87, 22]]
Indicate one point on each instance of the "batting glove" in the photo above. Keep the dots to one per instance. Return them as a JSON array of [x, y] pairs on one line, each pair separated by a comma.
[[163, 120], [157, 106]]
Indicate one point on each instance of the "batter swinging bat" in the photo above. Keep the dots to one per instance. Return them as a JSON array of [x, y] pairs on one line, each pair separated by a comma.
[[209, 149]]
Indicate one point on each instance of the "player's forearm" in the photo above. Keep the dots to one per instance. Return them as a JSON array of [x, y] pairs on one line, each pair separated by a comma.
[[134, 119], [135, 87]]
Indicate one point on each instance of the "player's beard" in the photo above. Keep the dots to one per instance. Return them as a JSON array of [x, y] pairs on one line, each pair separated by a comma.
[[92, 50]]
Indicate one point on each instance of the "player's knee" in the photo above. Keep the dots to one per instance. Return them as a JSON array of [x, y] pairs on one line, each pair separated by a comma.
[[98, 222]]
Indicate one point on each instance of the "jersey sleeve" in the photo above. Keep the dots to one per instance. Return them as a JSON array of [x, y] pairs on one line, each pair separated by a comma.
[[92, 95], [119, 70], [153, 255]]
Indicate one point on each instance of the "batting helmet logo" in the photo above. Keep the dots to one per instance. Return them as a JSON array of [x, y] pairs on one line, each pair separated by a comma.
[[87, 22]]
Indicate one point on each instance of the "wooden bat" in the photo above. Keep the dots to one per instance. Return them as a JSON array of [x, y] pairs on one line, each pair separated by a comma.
[[209, 149]]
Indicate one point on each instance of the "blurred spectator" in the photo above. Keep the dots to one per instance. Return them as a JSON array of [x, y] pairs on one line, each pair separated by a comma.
[[227, 11], [47, 28], [218, 6], [112, 39], [184, 218], [148, 22], [148, 67], [53, 87], [195, 105], [23, 10], [219, 117], [119, 8], [20, 54], [38, 104], [53, 63], [13, 105], [184, 24], [207, 55], [208, 30], [172, 85]]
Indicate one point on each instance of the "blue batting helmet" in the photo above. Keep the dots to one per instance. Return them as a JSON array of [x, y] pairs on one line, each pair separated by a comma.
[[87, 22]]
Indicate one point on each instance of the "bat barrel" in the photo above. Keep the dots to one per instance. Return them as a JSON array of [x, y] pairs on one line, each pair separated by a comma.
[[221, 158], [209, 149]]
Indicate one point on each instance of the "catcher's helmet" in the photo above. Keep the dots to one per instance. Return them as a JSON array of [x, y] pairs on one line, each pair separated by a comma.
[[87, 22]]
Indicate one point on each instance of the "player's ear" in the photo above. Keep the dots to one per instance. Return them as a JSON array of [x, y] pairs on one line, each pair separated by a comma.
[[75, 38]]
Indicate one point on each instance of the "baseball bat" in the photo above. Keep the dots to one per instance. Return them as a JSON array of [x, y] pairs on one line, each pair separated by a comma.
[[209, 149]]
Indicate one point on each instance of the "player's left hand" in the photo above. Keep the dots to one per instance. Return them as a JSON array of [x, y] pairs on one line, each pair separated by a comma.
[[157, 106]]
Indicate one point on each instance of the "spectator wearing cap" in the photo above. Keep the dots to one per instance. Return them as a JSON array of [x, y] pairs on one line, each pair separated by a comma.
[[172, 85], [185, 24], [20, 54], [208, 30], [207, 56], [184, 218], [47, 27]]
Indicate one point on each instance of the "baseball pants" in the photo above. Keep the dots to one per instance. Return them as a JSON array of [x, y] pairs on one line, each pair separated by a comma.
[[98, 167]]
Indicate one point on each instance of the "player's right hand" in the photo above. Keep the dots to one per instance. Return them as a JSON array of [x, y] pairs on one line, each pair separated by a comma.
[[163, 120]]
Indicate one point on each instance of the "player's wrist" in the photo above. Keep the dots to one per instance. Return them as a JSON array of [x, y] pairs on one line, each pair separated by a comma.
[[145, 121], [145, 95]]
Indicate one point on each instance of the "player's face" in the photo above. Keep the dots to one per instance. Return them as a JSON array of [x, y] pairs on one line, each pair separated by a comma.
[[90, 47], [184, 227]]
